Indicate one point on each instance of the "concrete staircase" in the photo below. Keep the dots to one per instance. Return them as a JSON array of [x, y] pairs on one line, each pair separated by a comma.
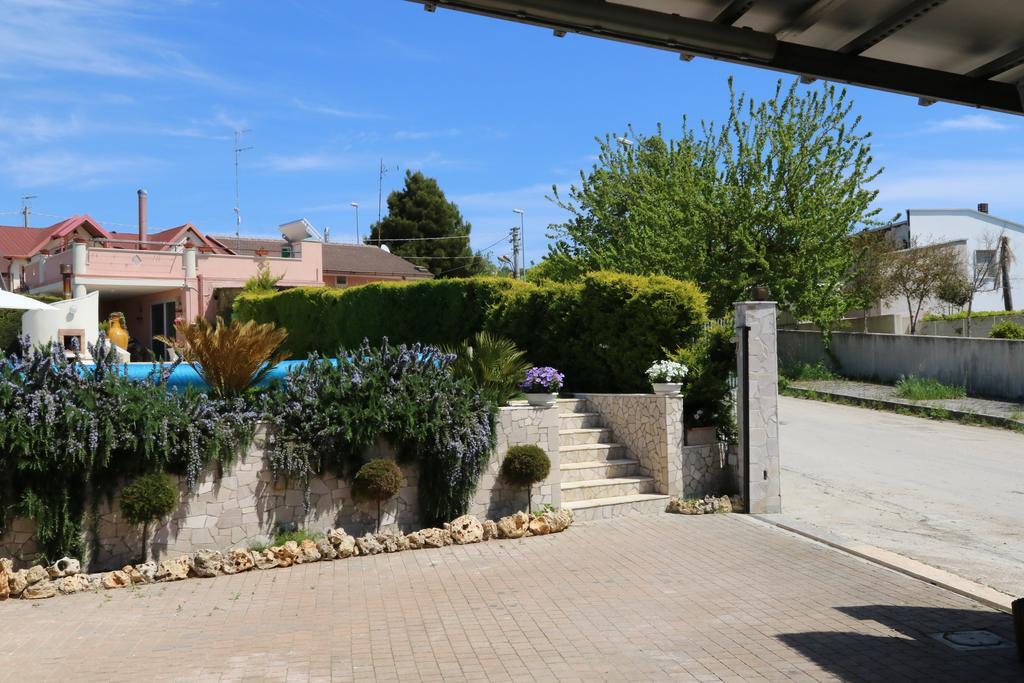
[[599, 478]]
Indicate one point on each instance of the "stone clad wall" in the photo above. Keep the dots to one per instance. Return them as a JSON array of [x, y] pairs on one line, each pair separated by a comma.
[[246, 506]]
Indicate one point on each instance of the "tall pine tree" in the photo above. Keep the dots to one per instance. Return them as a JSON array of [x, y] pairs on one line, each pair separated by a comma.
[[420, 210]]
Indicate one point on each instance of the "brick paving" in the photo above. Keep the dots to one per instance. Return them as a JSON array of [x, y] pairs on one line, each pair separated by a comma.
[[663, 597]]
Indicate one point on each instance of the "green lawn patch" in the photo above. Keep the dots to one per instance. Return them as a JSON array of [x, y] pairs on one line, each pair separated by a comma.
[[927, 389]]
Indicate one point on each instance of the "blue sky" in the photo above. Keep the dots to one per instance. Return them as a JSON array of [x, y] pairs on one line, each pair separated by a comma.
[[101, 98]]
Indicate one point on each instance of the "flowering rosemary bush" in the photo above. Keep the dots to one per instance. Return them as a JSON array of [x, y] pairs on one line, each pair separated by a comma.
[[69, 432], [542, 381], [327, 413], [666, 371]]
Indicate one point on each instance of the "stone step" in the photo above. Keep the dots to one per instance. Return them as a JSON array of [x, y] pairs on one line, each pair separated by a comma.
[[598, 469], [579, 420], [572, 405], [579, 436], [617, 506], [606, 488], [591, 451]]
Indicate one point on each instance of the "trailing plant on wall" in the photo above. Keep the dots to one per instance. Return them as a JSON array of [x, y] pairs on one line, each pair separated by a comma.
[[70, 432], [328, 412]]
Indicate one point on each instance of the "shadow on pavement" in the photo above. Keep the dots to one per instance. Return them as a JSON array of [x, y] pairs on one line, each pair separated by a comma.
[[910, 652]]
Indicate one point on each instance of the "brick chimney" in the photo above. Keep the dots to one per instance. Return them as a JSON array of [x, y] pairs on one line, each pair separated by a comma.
[[142, 216]]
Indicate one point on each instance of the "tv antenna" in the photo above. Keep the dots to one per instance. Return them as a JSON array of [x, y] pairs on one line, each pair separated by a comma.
[[25, 208], [238, 211], [384, 170]]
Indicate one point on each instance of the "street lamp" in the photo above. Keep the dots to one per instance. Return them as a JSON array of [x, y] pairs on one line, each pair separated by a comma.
[[624, 141], [522, 233], [355, 205]]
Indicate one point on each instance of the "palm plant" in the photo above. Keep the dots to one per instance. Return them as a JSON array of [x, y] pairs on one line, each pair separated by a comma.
[[494, 364], [233, 356]]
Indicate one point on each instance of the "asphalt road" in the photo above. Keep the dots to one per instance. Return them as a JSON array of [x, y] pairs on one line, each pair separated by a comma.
[[942, 493]]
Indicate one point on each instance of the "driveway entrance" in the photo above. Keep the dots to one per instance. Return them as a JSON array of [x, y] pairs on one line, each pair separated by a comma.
[[945, 494]]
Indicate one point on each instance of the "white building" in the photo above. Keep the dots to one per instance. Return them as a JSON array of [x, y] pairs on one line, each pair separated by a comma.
[[977, 235]]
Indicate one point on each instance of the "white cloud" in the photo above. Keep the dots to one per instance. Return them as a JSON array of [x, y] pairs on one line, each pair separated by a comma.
[[98, 37], [38, 128], [427, 134], [968, 122], [69, 168], [331, 111], [953, 183]]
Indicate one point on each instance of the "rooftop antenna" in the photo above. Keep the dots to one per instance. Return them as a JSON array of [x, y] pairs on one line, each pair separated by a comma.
[[25, 208], [238, 212], [384, 170]]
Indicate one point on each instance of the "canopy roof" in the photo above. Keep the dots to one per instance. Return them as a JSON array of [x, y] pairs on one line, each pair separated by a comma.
[[965, 51]]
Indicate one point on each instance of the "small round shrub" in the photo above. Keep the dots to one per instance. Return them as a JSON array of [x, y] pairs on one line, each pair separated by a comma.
[[1007, 330], [149, 498], [525, 465], [377, 480]]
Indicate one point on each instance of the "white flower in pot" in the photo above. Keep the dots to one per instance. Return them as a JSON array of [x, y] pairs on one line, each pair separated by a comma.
[[666, 377]]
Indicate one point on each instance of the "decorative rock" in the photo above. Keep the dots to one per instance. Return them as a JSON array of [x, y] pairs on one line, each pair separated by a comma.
[[414, 539], [308, 551], [237, 560], [466, 529], [346, 547], [514, 526], [490, 529], [286, 554], [6, 569], [266, 559], [539, 526], [17, 582], [558, 520], [326, 550], [393, 542], [174, 570], [207, 563], [337, 536], [144, 572], [65, 566], [435, 538], [116, 579], [368, 545], [700, 506], [36, 574], [74, 583], [40, 590], [725, 504]]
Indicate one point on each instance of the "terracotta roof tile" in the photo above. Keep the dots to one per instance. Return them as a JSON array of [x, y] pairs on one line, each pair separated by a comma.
[[356, 259]]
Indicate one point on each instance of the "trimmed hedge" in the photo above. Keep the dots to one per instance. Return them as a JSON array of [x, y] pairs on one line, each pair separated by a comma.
[[602, 332]]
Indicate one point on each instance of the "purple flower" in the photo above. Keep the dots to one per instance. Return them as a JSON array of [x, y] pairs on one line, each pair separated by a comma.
[[542, 381]]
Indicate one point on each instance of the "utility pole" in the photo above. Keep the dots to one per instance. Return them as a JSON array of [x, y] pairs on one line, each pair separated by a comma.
[[238, 210], [515, 252], [522, 230], [380, 195], [25, 208]]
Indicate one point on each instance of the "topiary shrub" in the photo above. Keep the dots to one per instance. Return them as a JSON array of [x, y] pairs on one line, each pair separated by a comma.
[[525, 466], [149, 498], [1007, 330], [377, 480]]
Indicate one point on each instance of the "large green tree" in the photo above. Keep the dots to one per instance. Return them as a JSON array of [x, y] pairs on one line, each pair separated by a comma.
[[770, 197], [426, 228]]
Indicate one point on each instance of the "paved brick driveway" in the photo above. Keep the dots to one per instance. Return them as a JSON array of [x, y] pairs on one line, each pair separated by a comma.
[[652, 598]]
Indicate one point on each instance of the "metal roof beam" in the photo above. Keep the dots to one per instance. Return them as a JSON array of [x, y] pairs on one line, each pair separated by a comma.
[[1000, 65], [669, 32], [811, 15], [895, 22], [732, 12]]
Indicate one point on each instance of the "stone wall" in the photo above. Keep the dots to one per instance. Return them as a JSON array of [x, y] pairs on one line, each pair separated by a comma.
[[245, 505]]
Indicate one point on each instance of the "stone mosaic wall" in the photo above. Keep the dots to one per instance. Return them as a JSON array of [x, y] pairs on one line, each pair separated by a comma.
[[245, 505]]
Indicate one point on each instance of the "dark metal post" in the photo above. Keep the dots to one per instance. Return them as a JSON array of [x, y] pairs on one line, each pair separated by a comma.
[[65, 274], [1018, 626], [745, 427]]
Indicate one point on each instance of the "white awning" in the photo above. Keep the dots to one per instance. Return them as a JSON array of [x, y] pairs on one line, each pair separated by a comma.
[[10, 300]]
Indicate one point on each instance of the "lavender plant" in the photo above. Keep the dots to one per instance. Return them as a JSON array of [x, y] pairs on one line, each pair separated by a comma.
[[71, 431], [327, 413]]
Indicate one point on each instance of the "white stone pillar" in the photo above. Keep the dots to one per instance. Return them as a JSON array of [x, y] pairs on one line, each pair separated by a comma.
[[189, 260], [764, 474], [79, 265]]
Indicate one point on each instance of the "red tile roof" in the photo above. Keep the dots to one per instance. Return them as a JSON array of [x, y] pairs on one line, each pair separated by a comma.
[[19, 242], [339, 259]]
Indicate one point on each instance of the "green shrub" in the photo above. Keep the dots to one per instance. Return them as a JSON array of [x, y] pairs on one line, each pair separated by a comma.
[[148, 499], [602, 331], [926, 389], [1007, 330], [707, 386], [525, 466], [377, 481], [10, 323], [493, 364], [807, 372]]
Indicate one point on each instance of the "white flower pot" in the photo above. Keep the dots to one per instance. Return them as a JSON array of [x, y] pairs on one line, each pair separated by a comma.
[[667, 388], [542, 400]]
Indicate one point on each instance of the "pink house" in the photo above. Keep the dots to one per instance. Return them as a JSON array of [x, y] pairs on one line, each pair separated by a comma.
[[150, 277]]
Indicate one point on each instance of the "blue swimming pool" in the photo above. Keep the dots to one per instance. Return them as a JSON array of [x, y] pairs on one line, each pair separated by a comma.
[[186, 376]]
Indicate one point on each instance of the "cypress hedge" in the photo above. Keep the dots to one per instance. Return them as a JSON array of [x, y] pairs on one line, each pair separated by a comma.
[[602, 331]]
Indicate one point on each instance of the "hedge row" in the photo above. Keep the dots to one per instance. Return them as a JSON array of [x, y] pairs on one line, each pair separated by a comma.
[[603, 332]]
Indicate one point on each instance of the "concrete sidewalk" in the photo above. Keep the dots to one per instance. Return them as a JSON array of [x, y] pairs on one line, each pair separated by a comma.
[[665, 597]]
